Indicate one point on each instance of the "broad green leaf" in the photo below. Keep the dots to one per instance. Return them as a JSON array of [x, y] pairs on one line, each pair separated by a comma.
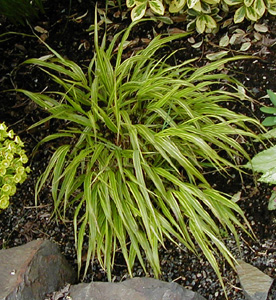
[[138, 11], [157, 7], [260, 8], [272, 96], [233, 2], [270, 175], [197, 7], [200, 24], [269, 121], [206, 8], [272, 9], [192, 3], [130, 3], [239, 14], [210, 22], [176, 5], [268, 110], [248, 3], [251, 14], [264, 162]]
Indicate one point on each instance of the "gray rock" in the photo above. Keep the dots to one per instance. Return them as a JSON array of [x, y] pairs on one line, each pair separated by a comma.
[[132, 289], [30, 271], [255, 283]]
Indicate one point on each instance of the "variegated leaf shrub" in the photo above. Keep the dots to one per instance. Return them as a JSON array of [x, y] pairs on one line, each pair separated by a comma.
[[204, 15]]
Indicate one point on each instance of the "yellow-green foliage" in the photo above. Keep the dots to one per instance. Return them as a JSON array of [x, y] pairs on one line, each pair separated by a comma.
[[12, 160], [204, 15]]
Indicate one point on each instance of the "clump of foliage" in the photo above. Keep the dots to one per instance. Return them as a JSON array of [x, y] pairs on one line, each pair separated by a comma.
[[139, 135], [265, 161], [12, 160], [204, 15], [18, 11]]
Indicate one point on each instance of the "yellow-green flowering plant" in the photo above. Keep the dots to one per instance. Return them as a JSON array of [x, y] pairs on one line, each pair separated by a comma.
[[12, 160]]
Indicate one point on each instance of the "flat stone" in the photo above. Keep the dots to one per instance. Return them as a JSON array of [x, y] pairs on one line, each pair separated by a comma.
[[31, 271], [255, 283], [133, 289]]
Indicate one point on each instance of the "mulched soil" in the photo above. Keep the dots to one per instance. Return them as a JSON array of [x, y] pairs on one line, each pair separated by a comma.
[[66, 32]]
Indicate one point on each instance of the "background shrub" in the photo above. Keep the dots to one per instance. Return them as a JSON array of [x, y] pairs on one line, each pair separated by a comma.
[[204, 15]]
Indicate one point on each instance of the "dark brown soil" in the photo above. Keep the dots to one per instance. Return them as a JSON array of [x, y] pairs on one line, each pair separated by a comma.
[[67, 34]]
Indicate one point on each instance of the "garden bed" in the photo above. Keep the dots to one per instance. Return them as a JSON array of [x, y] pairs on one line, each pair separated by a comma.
[[66, 31]]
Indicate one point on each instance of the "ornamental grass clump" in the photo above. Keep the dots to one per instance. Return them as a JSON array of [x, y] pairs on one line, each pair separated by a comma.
[[138, 136], [12, 160]]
